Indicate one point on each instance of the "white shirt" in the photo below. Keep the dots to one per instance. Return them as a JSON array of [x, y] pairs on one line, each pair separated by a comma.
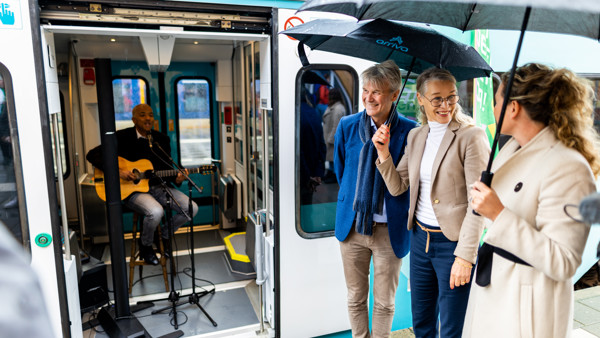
[[424, 210]]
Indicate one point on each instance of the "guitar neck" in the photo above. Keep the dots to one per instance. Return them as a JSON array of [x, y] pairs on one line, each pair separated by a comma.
[[205, 169]]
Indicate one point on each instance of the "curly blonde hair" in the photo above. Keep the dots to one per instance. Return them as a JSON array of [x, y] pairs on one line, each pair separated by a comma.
[[560, 99], [438, 74]]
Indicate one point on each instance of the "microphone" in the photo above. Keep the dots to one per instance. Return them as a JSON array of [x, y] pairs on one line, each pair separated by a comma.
[[149, 137]]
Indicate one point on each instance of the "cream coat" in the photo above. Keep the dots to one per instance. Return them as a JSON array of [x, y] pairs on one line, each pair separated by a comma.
[[534, 183], [461, 158]]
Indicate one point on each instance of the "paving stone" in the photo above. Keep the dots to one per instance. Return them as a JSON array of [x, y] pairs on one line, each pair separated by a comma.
[[585, 314], [593, 302], [587, 293]]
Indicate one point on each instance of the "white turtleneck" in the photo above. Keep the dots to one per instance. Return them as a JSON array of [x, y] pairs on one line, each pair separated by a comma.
[[424, 211]]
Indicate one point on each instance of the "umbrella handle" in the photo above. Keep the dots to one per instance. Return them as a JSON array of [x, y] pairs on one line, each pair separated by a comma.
[[486, 178], [302, 55]]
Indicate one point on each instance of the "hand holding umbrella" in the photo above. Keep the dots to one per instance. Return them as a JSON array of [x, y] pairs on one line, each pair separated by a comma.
[[485, 201], [381, 140]]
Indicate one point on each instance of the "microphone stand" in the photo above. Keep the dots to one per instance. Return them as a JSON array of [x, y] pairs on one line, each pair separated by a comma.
[[173, 295], [194, 297]]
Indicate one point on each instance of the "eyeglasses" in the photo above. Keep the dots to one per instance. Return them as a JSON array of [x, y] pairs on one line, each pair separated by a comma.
[[438, 101]]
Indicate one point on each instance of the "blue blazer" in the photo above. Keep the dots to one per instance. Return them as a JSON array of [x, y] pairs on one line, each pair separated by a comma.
[[347, 151]]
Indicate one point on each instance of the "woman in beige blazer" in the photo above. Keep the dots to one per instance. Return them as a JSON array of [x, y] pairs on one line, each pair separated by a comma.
[[442, 156], [549, 162]]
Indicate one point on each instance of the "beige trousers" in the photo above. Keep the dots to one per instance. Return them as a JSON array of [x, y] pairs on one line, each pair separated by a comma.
[[357, 251]]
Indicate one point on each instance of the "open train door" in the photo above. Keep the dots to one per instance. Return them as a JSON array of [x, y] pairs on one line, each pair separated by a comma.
[[310, 289]]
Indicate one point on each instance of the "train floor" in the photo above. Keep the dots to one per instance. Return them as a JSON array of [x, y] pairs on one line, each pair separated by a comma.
[[228, 297]]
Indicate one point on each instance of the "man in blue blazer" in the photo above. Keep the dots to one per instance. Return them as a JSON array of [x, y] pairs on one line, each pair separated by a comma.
[[371, 223]]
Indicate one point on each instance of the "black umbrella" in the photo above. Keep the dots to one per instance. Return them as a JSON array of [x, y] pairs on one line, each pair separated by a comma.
[[578, 17], [414, 47]]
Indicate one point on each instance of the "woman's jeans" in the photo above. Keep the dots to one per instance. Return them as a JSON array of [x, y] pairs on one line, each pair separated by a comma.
[[431, 295]]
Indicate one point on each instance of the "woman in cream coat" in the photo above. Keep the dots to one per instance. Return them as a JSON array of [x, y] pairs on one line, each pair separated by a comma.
[[549, 162], [442, 157]]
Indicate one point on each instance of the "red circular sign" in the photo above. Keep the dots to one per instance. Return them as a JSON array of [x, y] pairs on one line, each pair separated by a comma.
[[292, 22]]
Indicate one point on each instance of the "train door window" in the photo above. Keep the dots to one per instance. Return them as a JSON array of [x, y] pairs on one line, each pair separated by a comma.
[[128, 92], [64, 150], [324, 94], [12, 211], [193, 120], [254, 124]]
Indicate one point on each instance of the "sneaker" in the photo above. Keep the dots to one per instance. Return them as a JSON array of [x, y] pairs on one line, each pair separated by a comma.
[[148, 255]]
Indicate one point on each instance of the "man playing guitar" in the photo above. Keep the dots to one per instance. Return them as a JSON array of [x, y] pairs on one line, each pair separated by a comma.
[[142, 142]]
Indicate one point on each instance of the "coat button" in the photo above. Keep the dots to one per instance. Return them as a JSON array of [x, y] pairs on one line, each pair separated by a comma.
[[436, 201], [518, 186]]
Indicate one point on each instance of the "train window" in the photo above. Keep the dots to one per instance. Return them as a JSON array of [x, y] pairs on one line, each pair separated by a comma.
[[324, 93], [12, 212], [128, 92], [193, 121]]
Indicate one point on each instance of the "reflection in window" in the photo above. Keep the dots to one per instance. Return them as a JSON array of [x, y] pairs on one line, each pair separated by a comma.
[[9, 201], [324, 97], [193, 107], [128, 93]]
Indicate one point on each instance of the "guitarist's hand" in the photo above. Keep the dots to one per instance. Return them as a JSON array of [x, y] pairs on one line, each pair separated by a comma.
[[126, 175], [180, 177]]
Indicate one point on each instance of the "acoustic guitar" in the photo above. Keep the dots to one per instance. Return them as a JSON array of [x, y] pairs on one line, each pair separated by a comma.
[[144, 171]]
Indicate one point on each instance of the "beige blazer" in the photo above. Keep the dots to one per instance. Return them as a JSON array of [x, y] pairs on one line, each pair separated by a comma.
[[534, 183], [462, 156]]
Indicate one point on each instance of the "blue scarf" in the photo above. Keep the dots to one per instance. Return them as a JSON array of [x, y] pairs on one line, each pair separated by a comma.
[[368, 199]]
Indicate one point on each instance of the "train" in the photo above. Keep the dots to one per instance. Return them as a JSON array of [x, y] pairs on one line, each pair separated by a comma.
[[225, 86]]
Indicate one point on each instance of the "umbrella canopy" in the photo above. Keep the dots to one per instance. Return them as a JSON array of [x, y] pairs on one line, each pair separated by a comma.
[[414, 47], [577, 17]]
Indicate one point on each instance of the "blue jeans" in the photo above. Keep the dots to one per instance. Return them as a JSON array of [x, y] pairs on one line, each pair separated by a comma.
[[151, 205], [431, 295]]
